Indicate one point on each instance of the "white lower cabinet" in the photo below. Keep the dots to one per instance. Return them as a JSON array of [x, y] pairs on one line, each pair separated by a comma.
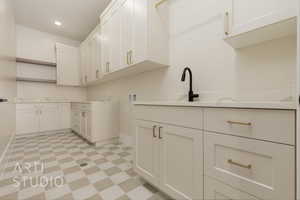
[[263, 169], [181, 162], [95, 121], [27, 119], [147, 151], [170, 158], [43, 117], [215, 190], [65, 115], [49, 117], [221, 157]]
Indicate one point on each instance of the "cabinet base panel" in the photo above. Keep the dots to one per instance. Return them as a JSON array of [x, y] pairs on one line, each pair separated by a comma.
[[44, 133]]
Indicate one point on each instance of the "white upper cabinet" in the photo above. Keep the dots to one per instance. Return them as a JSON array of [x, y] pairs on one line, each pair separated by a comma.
[[105, 47], [97, 53], [250, 22], [91, 57], [115, 41], [68, 65], [83, 63], [127, 20], [135, 36]]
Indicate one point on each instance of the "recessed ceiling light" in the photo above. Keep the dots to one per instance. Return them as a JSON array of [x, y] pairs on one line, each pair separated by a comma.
[[57, 23]]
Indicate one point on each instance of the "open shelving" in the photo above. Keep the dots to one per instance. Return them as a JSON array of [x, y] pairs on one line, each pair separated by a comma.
[[36, 62]]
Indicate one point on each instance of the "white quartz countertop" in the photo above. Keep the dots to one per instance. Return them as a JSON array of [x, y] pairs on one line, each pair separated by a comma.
[[244, 104], [53, 100], [24, 101]]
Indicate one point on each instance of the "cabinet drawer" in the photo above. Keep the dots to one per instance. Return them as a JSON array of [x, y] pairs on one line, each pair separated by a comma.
[[180, 116], [85, 107], [270, 125], [263, 169], [26, 106], [215, 190]]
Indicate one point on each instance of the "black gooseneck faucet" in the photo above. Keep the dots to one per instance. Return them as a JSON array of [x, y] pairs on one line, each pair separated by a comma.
[[191, 93]]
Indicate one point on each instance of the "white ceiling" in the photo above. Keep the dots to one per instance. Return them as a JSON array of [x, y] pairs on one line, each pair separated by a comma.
[[78, 17]]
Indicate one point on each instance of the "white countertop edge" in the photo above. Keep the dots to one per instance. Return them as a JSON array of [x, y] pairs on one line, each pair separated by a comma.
[[54, 101], [253, 105]]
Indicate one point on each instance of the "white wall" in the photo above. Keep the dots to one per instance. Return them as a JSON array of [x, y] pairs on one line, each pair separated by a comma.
[[37, 45], [7, 72], [265, 72]]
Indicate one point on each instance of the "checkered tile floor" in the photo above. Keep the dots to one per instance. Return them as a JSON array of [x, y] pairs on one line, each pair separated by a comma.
[[49, 167]]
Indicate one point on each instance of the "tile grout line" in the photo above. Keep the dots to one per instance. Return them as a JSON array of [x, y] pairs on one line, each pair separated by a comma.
[[4, 156]]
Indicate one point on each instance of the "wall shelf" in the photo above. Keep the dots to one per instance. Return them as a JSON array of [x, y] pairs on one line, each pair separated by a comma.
[[36, 62], [144, 66], [36, 80]]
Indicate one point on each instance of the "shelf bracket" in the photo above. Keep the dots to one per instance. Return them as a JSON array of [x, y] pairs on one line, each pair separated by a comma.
[[159, 3]]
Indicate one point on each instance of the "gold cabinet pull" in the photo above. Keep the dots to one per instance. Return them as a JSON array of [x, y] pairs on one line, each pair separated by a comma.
[[226, 23], [130, 57], [153, 131], [127, 58], [159, 132], [97, 73], [240, 123], [107, 67], [230, 161], [159, 3]]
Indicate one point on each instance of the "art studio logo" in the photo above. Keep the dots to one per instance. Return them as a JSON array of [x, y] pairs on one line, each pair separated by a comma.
[[32, 175]]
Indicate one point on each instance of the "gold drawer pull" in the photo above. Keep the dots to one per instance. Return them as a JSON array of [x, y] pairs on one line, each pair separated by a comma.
[[240, 123], [240, 165], [226, 23], [159, 3]]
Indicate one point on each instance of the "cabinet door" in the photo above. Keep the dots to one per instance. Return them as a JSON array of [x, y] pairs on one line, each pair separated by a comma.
[[49, 117], [68, 65], [248, 15], [84, 60], [65, 115], [90, 62], [27, 119], [75, 118], [215, 190], [115, 42], [146, 161], [84, 124], [126, 33], [98, 53], [105, 47], [140, 29], [89, 134], [181, 162]]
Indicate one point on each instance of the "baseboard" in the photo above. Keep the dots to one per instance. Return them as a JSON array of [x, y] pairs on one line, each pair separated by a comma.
[[126, 139], [109, 141], [44, 133], [3, 155]]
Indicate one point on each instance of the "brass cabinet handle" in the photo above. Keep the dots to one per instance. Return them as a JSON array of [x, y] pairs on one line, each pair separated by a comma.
[[85, 78], [240, 123], [159, 132], [97, 73], [159, 3], [153, 131], [130, 57], [230, 161], [127, 59], [107, 67], [226, 23]]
